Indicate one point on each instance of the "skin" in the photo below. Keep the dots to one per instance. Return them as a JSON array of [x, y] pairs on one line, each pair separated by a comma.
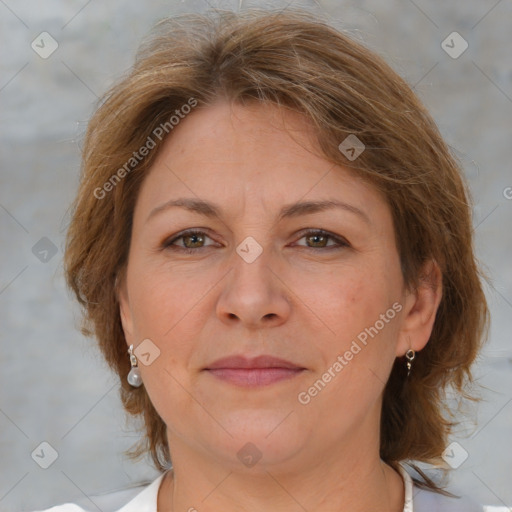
[[300, 300]]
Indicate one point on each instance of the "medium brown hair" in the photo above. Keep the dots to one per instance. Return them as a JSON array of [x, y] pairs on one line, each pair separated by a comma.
[[293, 60]]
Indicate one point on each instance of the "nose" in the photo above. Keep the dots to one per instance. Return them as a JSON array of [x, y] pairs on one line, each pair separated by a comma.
[[254, 294]]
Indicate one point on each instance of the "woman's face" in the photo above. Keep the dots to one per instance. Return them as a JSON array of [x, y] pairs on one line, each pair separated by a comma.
[[254, 282]]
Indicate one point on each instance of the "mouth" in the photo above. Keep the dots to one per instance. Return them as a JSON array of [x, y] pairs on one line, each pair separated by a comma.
[[259, 371]]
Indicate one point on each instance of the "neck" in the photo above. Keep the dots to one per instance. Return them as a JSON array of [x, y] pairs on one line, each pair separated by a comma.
[[337, 481]]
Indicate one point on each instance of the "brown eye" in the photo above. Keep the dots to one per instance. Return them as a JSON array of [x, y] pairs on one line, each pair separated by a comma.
[[194, 239], [319, 240], [190, 240]]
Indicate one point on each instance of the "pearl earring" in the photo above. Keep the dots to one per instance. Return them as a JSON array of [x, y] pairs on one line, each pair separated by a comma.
[[134, 377]]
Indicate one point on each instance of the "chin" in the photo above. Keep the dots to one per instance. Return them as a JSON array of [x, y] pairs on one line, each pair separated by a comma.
[[259, 438]]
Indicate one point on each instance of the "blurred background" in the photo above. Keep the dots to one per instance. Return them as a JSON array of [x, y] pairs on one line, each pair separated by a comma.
[[57, 58]]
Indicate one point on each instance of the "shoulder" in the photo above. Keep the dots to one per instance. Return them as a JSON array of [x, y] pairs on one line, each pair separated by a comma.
[[428, 501], [137, 499]]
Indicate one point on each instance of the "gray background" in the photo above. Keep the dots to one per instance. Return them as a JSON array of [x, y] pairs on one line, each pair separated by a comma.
[[54, 385]]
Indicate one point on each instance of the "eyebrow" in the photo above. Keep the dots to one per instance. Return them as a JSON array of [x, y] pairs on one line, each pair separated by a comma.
[[211, 210]]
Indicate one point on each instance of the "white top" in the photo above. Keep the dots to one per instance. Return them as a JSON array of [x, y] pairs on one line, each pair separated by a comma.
[[416, 500]]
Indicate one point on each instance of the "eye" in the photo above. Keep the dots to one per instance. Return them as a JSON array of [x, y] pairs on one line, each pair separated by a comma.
[[192, 240], [320, 238]]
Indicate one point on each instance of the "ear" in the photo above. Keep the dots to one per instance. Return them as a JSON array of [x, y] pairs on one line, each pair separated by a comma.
[[124, 307], [420, 310]]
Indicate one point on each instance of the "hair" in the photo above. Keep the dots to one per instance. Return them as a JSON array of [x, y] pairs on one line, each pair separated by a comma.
[[296, 61]]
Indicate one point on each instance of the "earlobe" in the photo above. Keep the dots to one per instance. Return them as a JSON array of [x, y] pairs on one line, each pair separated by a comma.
[[420, 310]]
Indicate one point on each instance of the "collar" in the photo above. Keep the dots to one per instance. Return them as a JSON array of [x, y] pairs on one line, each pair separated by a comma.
[[408, 486], [146, 500]]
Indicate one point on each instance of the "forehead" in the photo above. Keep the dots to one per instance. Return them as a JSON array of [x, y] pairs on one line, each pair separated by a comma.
[[239, 156], [235, 133]]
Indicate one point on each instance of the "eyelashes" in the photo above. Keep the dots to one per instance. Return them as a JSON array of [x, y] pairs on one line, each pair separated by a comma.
[[191, 233], [339, 242], [198, 236]]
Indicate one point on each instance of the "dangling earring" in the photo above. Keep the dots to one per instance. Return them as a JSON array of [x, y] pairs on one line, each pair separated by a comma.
[[409, 355], [134, 377]]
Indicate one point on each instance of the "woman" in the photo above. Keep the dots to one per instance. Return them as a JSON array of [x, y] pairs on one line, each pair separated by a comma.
[[273, 246]]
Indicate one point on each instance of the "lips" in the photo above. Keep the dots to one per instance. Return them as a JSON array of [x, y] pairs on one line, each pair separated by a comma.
[[260, 362], [258, 371]]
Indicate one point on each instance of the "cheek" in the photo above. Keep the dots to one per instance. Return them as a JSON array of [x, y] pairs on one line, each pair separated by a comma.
[[160, 298], [357, 358], [170, 308], [362, 310], [164, 310], [353, 301]]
